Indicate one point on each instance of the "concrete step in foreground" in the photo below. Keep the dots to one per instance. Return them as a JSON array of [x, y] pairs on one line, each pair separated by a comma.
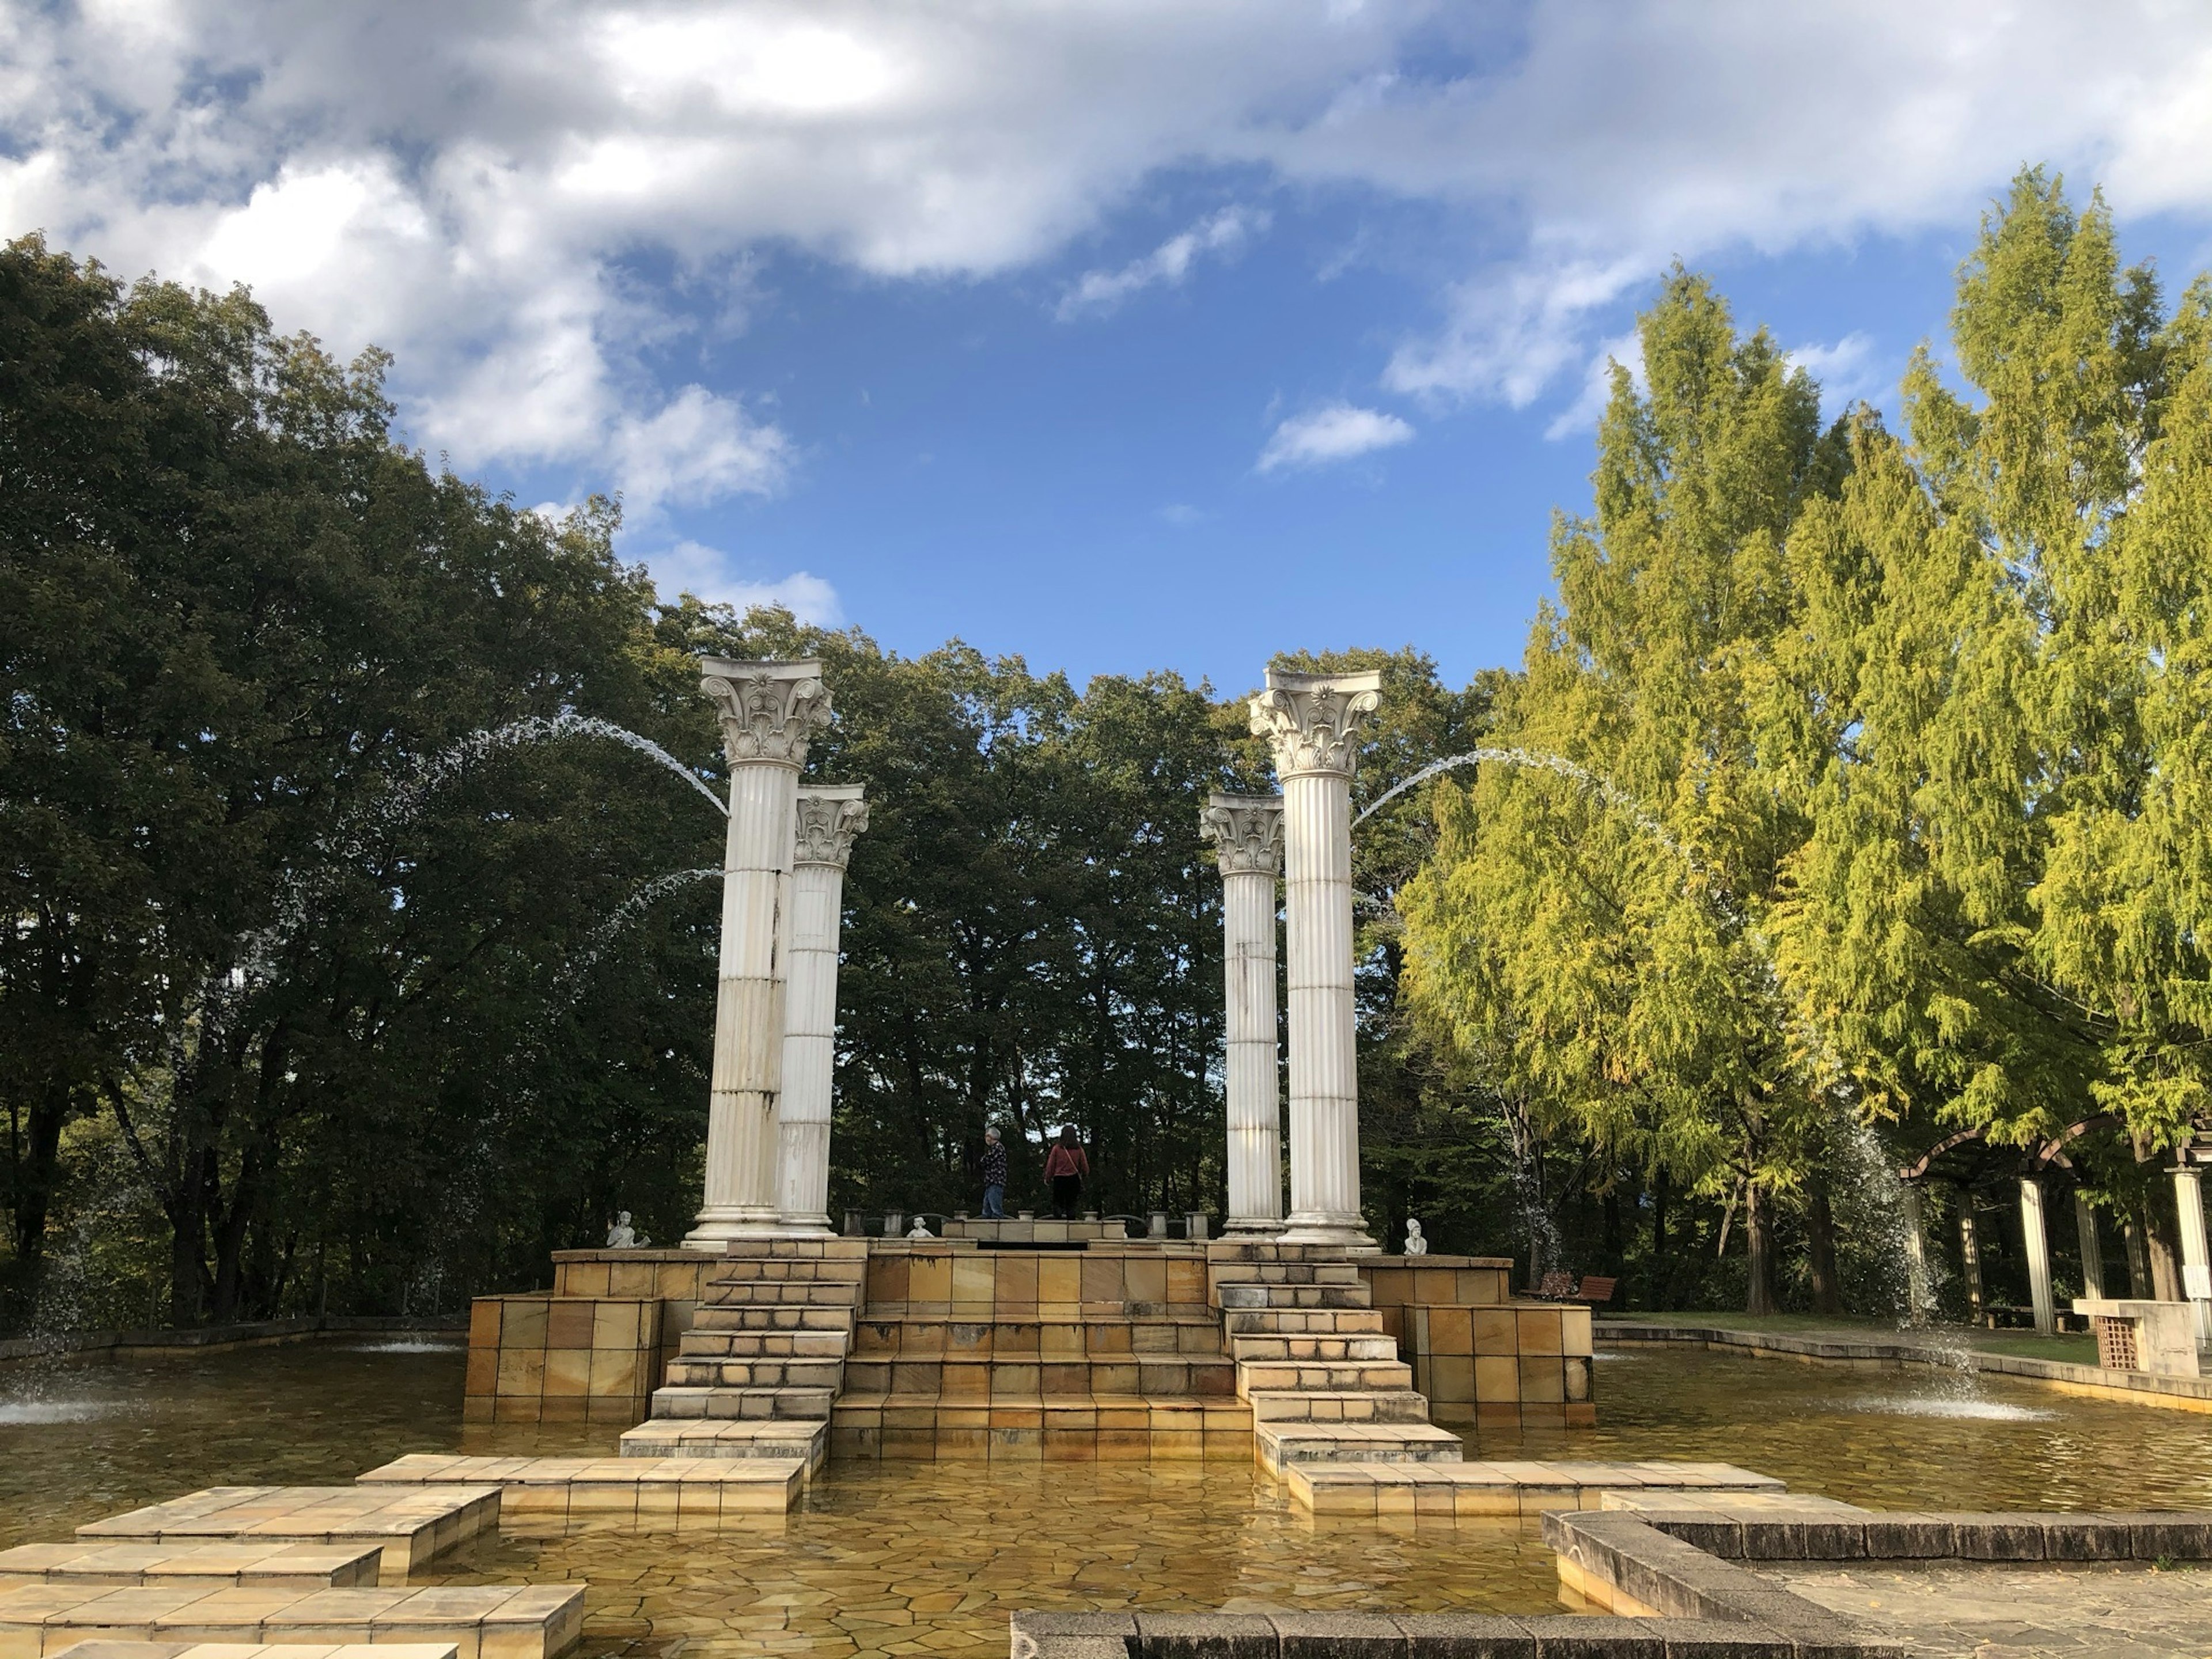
[[1446, 1490], [805, 1438], [1339, 1406], [802, 1404], [483, 1621], [260, 1650], [410, 1529], [299, 1567], [647, 1489], [1282, 1445]]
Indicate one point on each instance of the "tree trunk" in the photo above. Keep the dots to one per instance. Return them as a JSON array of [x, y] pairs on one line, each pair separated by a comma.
[[1656, 1293], [1759, 1252], [1820, 1234], [1612, 1246], [33, 1170]]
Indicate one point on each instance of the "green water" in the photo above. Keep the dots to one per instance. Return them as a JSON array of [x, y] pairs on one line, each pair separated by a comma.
[[888, 1559]]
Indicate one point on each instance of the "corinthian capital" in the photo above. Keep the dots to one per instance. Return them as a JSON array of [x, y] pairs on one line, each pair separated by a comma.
[[1247, 831], [1315, 721], [770, 710], [829, 816]]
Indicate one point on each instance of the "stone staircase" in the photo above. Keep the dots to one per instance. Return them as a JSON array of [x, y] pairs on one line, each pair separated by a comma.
[[755, 1374], [1324, 1382]]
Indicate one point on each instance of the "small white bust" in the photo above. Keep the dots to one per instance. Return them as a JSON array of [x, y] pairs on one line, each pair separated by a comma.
[[919, 1230], [622, 1236], [1415, 1244]]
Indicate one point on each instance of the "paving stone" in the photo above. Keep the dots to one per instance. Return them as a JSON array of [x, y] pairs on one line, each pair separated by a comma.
[[411, 1527], [299, 1567]]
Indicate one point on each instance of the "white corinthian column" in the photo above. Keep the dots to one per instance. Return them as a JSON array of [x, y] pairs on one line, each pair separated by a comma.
[[1314, 722], [1247, 831], [829, 816], [770, 712]]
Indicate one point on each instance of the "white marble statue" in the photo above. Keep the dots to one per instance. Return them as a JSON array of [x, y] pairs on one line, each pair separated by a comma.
[[1415, 1244], [919, 1230], [623, 1236]]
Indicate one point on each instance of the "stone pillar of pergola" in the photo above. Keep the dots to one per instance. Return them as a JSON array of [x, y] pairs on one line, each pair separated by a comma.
[[1919, 1289], [1247, 831], [2037, 1237], [1314, 723], [770, 712], [2196, 1260], [829, 815], [2093, 1249]]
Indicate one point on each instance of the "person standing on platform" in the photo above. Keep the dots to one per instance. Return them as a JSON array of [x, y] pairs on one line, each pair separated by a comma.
[[1065, 1168], [994, 1177]]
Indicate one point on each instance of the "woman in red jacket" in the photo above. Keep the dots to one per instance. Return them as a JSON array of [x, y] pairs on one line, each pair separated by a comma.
[[1065, 1167]]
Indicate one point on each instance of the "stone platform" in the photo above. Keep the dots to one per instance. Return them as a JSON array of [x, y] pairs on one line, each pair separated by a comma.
[[409, 1529], [260, 1650], [1458, 1490], [1088, 1345], [639, 1489], [219, 1565], [497, 1621]]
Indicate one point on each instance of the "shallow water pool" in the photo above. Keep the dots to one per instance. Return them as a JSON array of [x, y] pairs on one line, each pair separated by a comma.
[[919, 1559]]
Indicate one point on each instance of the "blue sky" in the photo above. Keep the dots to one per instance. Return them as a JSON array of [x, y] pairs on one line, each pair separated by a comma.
[[1121, 336]]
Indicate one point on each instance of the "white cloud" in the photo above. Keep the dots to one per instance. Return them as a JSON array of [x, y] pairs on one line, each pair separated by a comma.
[[1846, 371], [1225, 234], [468, 184], [699, 447], [1338, 432], [688, 567], [1581, 415]]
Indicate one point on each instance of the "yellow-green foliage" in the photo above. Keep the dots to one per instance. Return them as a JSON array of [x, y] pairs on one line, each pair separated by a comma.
[[1921, 722]]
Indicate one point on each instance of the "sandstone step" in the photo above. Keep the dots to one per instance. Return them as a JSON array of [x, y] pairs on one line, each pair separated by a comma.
[[782, 1293], [409, 1527], [1279, 1377], [487, 1622], [742, 1402], [1285, 1272], [1527, 1488], [755, 1249], [786, 1373], [984, 1379], [1306, 1348], [1309, 1321], [772, 1317], [642, 1489], [784, 1272], [763, 1345], [803, 1439], [254, 1567], [1084, 1427], [106, 1650], [1281, 1444], [1295, 1296], [1326, 1405]]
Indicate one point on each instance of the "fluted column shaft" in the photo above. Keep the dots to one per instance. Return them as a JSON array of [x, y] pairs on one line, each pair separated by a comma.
[[1315, 721], [1324, 1072], [1248, 831], [770, 711], [828, 817]]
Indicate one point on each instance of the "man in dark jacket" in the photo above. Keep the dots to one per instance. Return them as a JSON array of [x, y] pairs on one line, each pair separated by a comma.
[[994, 1178]]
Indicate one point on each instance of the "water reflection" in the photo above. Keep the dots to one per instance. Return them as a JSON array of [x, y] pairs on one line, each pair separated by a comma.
[[934, 1555]]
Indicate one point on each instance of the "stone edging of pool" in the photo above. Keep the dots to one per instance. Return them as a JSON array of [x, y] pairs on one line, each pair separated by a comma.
[[2188, 1393], [1674, 1584], [126, 1346]]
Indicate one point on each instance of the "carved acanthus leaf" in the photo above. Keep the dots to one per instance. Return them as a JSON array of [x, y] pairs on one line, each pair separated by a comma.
[[1315, 721], [827, 825], [1247, 831], [770, 710]]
